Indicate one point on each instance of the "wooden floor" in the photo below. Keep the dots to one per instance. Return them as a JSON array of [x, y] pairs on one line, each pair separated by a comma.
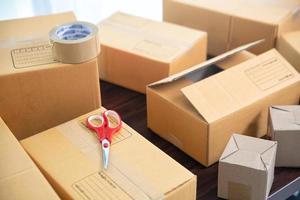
[[132, 107]]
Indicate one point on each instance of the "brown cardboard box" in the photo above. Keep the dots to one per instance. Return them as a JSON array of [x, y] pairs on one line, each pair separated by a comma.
[[36, 92], [137, 51], [289, 46], [69, 155], [285, 129], [199, 116], [232, 23], [246, 168], [19, 177]]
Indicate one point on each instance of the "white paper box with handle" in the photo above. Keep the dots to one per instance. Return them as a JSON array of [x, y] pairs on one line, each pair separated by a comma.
[[246, 168], [284, 128]]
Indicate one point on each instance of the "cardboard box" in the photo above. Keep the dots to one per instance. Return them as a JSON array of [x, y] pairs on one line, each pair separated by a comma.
[[36, 92], [289, 46], [246, 168], [137, 51], [232, 23], [19, 177], [199, 109], [69, 155], [285, 129]]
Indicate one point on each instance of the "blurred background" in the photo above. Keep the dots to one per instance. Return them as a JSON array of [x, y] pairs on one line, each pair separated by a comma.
[[85, 10]]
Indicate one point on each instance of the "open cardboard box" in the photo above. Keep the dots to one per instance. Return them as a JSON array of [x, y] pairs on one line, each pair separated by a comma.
[[284, 127], [198, 109], [38, 93], [19, 177], [136, 51], [232, 23], [69, 155], [289, 46], [246, 168]]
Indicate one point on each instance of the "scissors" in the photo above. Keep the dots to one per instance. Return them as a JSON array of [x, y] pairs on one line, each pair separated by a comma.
[[105, 125]]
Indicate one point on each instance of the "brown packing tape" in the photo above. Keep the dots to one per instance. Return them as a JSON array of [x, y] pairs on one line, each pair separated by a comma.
[[130, 184], [75, 42]]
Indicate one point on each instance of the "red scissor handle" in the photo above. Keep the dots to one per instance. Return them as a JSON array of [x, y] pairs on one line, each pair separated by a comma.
[[105, 125], [112, 123], [96, 123]]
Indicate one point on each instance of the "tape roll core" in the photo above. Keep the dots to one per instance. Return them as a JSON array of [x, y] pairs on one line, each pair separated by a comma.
[[75, 42]]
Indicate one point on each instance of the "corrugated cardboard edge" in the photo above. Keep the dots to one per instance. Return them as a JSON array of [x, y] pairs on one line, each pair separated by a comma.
[[205, 64]]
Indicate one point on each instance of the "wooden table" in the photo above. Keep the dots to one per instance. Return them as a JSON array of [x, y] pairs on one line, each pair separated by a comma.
[[132, 107]]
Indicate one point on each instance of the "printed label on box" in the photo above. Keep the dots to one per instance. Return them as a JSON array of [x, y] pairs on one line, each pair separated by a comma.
[[32, 56], [269, 73]]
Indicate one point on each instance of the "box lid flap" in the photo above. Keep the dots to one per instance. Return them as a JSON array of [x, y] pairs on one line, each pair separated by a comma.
[[207, 63], [285, 117], [241, 85], [252, 152]]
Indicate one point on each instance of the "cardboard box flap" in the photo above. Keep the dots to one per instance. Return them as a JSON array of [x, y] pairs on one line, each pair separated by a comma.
[[285, 117], [207, 63], [33, 27], [252, 152], [156, 40], [241, 85]]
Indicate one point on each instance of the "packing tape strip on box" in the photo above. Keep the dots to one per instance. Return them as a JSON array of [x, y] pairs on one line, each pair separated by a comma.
[[75, 42]]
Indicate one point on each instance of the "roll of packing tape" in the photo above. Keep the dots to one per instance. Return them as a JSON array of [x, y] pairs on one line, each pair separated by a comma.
[[75, 42]]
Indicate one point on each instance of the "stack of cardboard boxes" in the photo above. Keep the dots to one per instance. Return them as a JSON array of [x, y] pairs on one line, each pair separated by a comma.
[[195, 104]]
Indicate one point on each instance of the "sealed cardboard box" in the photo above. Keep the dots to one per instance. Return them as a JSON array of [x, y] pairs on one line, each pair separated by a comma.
[[69, 155], [289, 46], [285, 129], [198, 109], [246, 168], [137, 51], [19, 177], [36, 92], [232, 23]]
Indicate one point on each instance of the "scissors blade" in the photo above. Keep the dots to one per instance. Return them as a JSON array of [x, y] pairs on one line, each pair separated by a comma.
[[105, 152]]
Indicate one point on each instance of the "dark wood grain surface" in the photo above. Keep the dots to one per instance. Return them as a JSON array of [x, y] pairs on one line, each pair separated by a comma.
[[132, 107]]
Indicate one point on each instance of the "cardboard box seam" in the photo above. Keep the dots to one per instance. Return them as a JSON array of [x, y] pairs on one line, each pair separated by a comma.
[[180, 185]]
